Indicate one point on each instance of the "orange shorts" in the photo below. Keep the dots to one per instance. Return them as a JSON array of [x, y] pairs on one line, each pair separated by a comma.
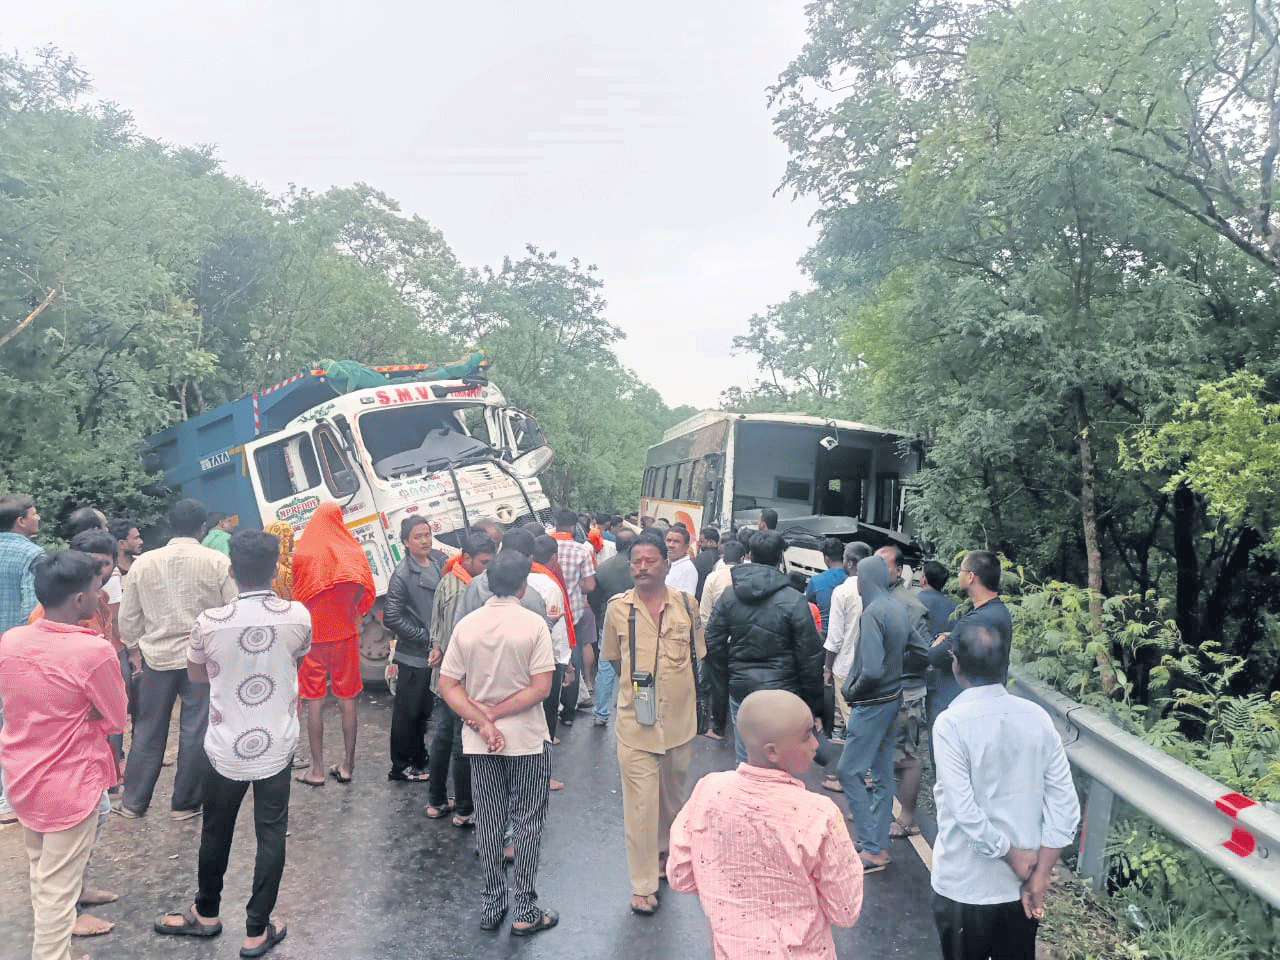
[[337, 662]]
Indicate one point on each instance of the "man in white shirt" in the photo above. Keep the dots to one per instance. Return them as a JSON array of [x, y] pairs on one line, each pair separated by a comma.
[[1006, 805], [248, 653], [842, 642], [164, 593], [683, 575]]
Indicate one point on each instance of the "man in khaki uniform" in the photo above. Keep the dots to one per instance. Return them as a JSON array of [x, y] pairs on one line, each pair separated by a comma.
[[653, 757]]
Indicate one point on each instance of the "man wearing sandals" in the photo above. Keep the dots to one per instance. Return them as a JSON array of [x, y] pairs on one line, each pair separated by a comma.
[[495, 675], [248, 653], [651, 634]]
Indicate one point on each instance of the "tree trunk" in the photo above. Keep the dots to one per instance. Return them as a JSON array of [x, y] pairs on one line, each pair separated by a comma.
[[1187, 590], [1093, 554]]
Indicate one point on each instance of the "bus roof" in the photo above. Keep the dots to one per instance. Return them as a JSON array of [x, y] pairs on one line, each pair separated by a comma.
[[708, 417]]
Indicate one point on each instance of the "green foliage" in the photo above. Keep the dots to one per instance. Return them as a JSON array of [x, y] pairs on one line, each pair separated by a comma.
[[178, 287], [1224, 445], [1194, 910]]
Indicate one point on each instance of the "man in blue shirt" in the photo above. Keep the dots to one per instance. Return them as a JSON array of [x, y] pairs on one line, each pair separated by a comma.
[[20, 522], [1006, 805], [820, 585], [980, 579]]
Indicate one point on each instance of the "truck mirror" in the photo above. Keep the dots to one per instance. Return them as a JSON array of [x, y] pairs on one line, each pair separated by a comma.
[[533, 462], [345, 483]]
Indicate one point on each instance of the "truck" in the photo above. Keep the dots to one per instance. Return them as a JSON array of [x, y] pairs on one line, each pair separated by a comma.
[[385, 443], [824, 477]]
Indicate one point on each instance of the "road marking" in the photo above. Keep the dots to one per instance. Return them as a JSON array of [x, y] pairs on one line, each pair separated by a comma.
[[918, 842]]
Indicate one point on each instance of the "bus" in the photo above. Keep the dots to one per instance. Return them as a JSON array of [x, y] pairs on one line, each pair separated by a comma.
[[824, 477]]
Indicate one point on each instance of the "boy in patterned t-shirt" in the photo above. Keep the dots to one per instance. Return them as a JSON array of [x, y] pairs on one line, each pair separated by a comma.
[[248, 653]]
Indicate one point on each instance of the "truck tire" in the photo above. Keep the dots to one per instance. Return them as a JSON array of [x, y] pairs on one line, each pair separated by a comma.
[[375, 648]]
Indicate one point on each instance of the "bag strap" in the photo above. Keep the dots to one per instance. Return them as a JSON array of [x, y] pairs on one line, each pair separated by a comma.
[[693, 641], [631, 638], [657, 647]]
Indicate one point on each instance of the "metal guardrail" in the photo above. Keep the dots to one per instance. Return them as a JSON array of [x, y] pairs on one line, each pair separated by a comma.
[[1239, 837]]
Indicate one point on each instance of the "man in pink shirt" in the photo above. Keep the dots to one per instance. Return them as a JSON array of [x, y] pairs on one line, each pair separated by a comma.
[[62, 685], [771, 862]]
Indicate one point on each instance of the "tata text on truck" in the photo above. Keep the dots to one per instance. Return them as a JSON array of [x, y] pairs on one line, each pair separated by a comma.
[[384, 442], [825, 478]]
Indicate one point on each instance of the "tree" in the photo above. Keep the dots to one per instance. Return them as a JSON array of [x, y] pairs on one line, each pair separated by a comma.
[[793, 342]]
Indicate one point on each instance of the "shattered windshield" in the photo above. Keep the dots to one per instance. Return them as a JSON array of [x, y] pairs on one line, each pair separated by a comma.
[[408, 440]]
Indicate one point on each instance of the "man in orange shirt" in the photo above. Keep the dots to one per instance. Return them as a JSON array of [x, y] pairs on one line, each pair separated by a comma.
[[332, 578]]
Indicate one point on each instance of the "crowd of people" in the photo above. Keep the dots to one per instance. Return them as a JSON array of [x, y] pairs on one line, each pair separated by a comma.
[[499, 644]]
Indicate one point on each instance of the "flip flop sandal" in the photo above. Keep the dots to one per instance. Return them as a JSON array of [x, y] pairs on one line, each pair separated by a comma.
[[548, 920], [336, 772], [464, 820], [274, 936], [310, 783], [639, 911], [440, 812], [191, 927], [904, 833], [832, 784], [870, 866]]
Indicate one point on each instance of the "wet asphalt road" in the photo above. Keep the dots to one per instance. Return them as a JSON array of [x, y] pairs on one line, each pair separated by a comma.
[[369, 876]]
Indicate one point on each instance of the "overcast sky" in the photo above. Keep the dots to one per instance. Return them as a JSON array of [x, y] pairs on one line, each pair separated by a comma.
[[635, 137]]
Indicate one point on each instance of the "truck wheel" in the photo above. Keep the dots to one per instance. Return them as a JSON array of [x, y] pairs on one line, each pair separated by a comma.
[[375, 648]]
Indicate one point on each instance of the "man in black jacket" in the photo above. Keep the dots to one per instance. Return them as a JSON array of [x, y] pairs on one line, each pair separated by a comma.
[[708, 556], [411, 597], [873, 691], [762, 637]]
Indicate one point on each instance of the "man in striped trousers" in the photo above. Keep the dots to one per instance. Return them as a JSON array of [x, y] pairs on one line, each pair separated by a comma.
[[495, 674]]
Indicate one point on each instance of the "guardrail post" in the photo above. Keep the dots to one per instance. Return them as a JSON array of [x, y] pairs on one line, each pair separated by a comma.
[[1093, 834]]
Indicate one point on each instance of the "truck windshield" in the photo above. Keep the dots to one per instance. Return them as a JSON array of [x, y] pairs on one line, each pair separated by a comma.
[[408, 440]]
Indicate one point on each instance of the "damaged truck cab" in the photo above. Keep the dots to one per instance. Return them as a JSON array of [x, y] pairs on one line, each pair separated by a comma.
[[384, 443]]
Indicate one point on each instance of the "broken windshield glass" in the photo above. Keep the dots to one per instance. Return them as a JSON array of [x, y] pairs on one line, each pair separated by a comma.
[[408, 440]]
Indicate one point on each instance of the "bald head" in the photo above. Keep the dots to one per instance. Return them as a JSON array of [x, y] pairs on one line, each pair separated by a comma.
[[777, 728]]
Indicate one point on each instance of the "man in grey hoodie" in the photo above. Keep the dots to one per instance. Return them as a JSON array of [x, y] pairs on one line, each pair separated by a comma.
[[873, 691]]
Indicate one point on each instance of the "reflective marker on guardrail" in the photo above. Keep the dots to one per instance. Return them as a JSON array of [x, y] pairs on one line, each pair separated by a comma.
[[1230, 831], [1241, 843]]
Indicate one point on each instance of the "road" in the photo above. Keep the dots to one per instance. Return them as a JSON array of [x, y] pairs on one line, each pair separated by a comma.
[[369, 876]]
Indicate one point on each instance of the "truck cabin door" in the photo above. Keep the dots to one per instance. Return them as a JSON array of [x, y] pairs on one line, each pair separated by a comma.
[[528, 448], [286, 477]]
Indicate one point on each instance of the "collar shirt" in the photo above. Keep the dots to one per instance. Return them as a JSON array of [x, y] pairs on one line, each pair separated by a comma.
[[57, 761], [683, 576], [17, 582], [718, 580], [576, 565], [251, 648], [553, 599], [1003, 781], [164, 593], [495, 653], [667, 642], [842, 631], [771, 862]]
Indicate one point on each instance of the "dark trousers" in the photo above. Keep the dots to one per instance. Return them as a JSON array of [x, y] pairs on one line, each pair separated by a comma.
[[514, 788], [992, 931], [585, 632], [222, 798], [126, 671], [409, 718], [446, 752], [551, 705], [156, 692]]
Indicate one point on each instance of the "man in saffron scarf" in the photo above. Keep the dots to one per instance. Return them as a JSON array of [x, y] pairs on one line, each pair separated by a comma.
[[332, 578]]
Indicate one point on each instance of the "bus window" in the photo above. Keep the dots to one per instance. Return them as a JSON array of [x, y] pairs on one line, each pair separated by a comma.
[[888, 493], [785, 489]]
